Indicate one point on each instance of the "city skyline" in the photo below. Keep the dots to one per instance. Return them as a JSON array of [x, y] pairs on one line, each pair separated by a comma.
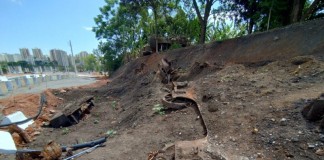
[[48, 24], [36, 54], [48, 53]]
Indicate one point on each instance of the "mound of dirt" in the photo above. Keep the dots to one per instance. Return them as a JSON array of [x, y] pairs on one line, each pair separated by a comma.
[[240, 99]]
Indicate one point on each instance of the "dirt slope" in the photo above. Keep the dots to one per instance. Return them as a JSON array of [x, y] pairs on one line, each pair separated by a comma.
[[244, 96]]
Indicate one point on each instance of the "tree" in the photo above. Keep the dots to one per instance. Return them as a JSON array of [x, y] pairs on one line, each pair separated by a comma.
[[203, 16], [90, 62], [313, 10], [266, 14]]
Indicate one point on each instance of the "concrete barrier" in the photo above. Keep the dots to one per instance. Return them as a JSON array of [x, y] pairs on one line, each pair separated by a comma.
[[22, 81], [10, 85], [28, 80], [53, 77], [3, 88], [18, 82], [45, 78]]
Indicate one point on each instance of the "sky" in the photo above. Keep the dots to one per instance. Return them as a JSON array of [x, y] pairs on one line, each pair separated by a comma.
[[48, 24]]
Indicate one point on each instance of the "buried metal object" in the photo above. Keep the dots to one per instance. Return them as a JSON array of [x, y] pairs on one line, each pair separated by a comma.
[[72, 112]]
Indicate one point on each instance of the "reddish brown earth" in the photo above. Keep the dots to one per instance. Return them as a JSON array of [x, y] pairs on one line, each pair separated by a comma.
[[249, 92]]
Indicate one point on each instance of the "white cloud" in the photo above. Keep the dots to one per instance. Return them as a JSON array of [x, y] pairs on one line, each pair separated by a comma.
[[19, 2], [87, 28]]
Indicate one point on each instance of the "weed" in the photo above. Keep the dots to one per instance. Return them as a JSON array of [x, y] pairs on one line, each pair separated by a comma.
[[95, 114], [65, 131], [111, 132], [158, 109], [114, 105]]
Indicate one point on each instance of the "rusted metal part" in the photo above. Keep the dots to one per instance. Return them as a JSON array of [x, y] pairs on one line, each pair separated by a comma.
[[73, 112], [167, 72], [152, 155], [168, 103], [15, 129], [179, 85], [52, 151]]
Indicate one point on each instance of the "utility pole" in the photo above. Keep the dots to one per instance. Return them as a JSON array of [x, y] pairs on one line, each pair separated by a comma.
[[75, 69]]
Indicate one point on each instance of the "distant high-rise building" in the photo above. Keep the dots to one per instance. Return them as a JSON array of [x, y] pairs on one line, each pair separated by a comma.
[[59, 56], [37, 53], [15, 58], [3, 57], [25, 55], [83, 54], [24, 52]]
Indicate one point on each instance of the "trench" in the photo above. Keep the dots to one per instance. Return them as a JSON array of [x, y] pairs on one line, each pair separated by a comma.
[[189, 103], [180, 149]]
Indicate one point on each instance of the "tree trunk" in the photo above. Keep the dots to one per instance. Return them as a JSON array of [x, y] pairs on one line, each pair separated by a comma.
[[203, 20], [203, 29], [296, 10], [251, 24], [156, 31], [311, 10]]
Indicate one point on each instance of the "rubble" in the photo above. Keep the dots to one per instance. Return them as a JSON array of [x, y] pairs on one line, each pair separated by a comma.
[[7, 145], [16, 117]]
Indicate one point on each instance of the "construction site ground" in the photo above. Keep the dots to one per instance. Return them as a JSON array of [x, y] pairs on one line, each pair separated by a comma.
[[246, 96]]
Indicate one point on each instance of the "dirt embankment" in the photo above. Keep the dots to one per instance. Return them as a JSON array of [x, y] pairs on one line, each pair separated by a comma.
[[245, 98]]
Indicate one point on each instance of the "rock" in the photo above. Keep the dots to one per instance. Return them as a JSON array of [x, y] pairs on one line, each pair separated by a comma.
[[320, 152], [283, 122], [314, 111], [36, 133], [295, 139], [225, 103], [259, 155], [62, 91], [321, 138], [300, 60], [255, 131], [212, 108], [222, 97], [52, 111], [311, 146]]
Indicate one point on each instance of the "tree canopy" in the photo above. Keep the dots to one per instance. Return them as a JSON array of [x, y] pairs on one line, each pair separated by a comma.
[[124, 27]]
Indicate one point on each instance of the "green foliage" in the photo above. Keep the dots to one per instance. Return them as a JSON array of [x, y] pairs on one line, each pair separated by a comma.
[[222, 30], [175, 46], [4, 66], [111, 133], [158, 109], [125, 26], [65, 131], [90, 62], [96, 121], [114, 105]]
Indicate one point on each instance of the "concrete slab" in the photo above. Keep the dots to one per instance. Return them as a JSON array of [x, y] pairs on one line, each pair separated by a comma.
[[15, 117], [7, 145]]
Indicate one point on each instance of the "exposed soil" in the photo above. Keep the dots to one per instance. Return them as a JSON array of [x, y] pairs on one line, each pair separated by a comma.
[[249, 109]]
